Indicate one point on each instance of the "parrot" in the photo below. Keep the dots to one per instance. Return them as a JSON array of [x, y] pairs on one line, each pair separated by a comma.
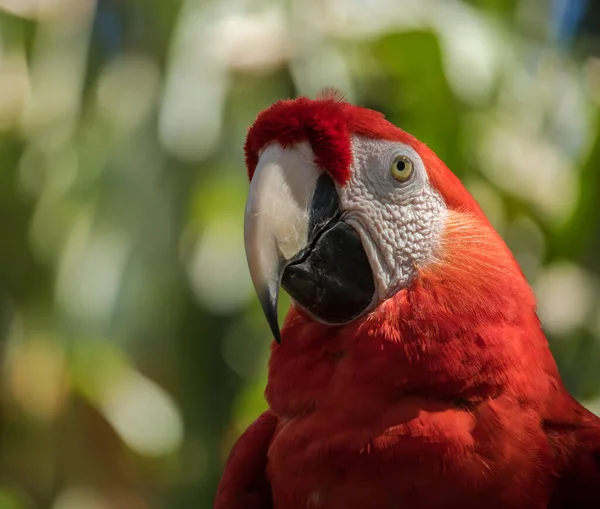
[[411, 370]]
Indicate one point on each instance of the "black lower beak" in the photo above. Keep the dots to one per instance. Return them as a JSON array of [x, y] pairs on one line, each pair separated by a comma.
[[333, 282], [331, 277]]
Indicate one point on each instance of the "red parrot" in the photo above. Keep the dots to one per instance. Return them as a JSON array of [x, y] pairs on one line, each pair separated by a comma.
[[412, 370]]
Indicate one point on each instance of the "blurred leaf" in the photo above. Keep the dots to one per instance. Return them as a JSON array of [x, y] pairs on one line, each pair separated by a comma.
[[9, 500]]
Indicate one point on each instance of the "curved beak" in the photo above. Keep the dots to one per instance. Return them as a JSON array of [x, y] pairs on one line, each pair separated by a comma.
[[295, 238]]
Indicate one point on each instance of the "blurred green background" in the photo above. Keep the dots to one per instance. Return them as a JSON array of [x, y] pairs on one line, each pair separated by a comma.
[[133, 349]]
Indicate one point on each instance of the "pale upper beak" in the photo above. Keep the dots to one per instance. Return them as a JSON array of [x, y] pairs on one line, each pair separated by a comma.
[[295, 238]]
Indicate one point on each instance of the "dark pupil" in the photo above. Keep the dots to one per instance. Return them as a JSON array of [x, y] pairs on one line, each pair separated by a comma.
[[400, 165]]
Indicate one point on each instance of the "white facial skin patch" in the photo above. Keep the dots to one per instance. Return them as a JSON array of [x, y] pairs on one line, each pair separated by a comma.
[[400, 223]]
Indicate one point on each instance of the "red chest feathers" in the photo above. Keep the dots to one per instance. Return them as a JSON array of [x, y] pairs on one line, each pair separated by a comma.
[[357, 434]]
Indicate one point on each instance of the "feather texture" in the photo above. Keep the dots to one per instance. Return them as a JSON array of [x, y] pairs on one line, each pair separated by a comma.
[[244, 483]]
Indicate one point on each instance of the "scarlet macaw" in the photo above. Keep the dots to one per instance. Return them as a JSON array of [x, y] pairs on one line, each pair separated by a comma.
[[412, 370]]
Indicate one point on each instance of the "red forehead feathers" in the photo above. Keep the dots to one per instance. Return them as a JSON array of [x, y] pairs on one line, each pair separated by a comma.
[[327, 123]]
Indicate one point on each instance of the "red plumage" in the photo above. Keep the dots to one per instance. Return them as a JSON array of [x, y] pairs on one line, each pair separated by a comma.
[[444, 396]]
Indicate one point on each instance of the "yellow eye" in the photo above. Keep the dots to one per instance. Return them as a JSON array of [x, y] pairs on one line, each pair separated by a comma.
[[402, 168]]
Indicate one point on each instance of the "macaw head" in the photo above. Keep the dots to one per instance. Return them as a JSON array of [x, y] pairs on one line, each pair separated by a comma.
[[345, 210]]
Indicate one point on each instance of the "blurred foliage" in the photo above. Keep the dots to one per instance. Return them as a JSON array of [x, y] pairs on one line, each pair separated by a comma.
[[133, 349]]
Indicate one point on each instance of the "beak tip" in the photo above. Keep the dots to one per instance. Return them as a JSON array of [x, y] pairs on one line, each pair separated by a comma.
[[268, 302], [274, 324]]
